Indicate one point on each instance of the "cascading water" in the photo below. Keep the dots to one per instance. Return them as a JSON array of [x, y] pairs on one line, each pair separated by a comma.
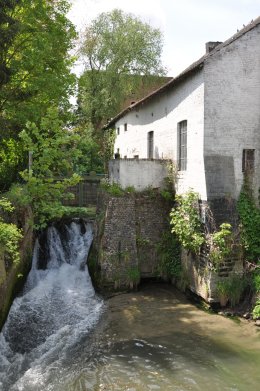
[[56, 311]]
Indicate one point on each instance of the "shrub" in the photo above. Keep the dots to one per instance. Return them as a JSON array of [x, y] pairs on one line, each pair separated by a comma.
[[10, 235], [256, 310], [232, 288], [185, 221]]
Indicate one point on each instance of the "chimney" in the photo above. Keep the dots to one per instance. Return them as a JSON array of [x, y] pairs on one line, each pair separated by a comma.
[[211, 46]]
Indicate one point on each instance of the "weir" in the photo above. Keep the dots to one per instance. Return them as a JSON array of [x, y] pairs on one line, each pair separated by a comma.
[[57, 308]]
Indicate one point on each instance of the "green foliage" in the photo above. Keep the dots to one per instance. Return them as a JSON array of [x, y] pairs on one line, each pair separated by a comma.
[[169, 252], [249, 215], [38, 62], [140, 241], [130, 190], [35, 40], [12, 159], [10, 235], [53, 148], [186, 222], [71, 211], [114, 189], [6, 205], [133, 275], [107, 146], [220, 243], [89, 156], [256, 310], [115, 47], [256, 280], [167, 195], [232, 288]]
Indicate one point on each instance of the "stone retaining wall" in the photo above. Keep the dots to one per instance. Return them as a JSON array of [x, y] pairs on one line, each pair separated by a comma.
[[127, 235], [12, 277]]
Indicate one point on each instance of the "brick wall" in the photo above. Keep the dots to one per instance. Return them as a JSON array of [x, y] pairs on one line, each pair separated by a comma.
[[127, 234]]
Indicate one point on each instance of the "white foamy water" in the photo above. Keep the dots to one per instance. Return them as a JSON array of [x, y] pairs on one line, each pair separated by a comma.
[[56, 312]]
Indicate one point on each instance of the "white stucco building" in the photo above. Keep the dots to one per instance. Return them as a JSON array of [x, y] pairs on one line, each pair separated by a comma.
[[207, 120]]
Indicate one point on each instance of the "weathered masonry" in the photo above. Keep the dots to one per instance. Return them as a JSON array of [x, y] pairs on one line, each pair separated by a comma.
[[128, 231], [207, 121]]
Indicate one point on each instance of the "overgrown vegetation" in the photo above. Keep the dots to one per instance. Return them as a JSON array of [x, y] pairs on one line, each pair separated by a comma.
[[256, 310], [10, 235], [249, 215], [220, 244], [187, 225], [133, 277], [232, 288], [169, 253]]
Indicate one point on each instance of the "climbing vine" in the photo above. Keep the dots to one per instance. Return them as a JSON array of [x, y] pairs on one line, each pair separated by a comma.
[[169, 254], [249, 215]]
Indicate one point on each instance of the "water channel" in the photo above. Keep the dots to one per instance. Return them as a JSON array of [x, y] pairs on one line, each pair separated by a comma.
[[61, 336]]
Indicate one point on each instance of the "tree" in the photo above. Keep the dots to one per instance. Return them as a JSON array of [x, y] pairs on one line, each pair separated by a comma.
[[54, 148], [118, 48], [35, 72]]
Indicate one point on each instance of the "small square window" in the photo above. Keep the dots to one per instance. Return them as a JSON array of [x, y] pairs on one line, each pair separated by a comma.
[[125, 127]]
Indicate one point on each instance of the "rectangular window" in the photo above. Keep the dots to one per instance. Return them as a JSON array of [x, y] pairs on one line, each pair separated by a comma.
[[118, 131], [182, 145], [248, 161], [125, 127], [150, 145]]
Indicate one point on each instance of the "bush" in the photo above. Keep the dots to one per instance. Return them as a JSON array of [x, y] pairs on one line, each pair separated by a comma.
[[185, 221], [10, 235], [256, 310]]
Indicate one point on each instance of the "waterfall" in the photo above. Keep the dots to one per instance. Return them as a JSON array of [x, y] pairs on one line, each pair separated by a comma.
[[57, 309]]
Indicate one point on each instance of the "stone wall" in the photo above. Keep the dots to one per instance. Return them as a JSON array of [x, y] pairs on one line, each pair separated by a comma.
[[128, 230], [12, 277]]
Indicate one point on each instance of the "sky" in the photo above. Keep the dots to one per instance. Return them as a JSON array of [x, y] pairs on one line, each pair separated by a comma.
[[186, 24]]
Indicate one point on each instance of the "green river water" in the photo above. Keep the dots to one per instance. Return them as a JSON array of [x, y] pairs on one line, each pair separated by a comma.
[[155, 339]]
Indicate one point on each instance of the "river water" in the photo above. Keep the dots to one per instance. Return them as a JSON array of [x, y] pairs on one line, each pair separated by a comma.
[[60, 336]]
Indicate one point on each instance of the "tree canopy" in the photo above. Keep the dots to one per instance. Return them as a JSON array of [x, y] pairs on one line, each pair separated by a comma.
[[35, 40], [117, 49]]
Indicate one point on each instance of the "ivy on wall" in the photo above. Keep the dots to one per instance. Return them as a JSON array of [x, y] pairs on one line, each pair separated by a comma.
[[249, 215], [187, 226]]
